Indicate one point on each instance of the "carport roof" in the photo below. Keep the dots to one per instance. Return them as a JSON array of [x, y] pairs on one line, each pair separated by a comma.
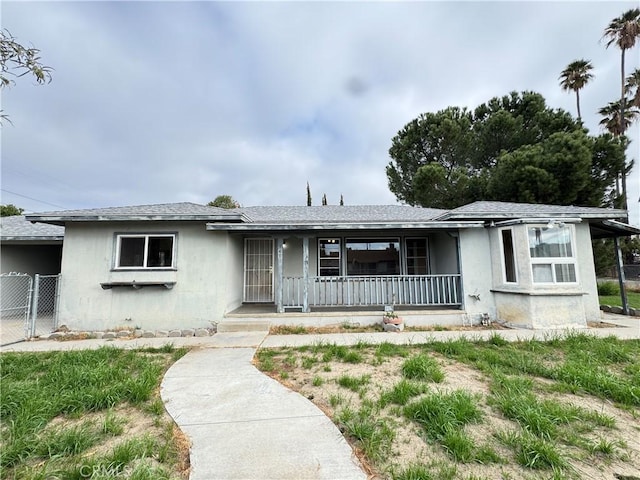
[[17, 228]]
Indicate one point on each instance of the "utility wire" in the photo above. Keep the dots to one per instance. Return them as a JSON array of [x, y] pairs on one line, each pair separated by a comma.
[[31, 198]]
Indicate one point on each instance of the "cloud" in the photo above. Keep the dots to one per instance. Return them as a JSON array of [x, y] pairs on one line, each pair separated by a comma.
[[173, 101]]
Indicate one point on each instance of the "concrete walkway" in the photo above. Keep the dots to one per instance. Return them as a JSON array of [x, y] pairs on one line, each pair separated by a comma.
[[245, 425]]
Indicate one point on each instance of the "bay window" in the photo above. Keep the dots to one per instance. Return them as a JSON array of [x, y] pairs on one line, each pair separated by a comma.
[[552, 254]]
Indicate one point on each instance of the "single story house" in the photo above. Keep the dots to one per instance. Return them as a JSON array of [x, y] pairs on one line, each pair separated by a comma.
[[184, 265], [31, 248]]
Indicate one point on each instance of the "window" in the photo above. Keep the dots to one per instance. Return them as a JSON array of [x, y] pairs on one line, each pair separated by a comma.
[[145, 251], [508, 257], [373, 256], [329, 257], [551, 251], [417, 256]]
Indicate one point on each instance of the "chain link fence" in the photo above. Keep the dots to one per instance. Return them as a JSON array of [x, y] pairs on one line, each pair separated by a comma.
[[15, 307], [28, 306], [43, 306]]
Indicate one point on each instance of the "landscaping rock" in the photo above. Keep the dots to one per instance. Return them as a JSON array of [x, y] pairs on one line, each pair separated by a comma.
[[201, 332], [109, 335], [175, 333], [148, 334], [162, 333], [392, 327], [98, 335], [617, 310], [188, 332], [138, 333], [123, 333]]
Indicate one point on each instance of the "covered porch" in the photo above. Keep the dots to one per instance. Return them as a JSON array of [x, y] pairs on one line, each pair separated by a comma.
[[343, 270]]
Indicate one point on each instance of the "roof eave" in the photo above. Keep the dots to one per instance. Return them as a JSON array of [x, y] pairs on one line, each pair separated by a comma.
[[63, 219], [342, 226], [14, 238]]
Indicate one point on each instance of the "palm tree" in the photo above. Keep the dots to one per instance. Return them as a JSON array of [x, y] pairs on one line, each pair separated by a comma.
[[611, 120], [623, 31], [633, 88], [576, 76]]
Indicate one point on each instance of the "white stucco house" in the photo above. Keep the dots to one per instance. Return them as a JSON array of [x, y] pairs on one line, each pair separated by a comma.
[[185, 265]]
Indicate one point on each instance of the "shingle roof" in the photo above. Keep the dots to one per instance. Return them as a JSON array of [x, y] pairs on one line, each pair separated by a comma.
[[495, 210], [18, 228], [163, 211], [339, 214]]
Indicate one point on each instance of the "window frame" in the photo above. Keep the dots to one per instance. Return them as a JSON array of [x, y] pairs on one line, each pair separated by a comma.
[[406, 256], [503, 257], [338, 241], [147, 237], [554, 261], [391, 238]]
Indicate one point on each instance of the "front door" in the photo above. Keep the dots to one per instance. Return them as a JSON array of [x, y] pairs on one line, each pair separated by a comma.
[[258, 270]]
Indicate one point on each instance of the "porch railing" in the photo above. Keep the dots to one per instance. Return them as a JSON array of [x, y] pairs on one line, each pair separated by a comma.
[[424, 290]]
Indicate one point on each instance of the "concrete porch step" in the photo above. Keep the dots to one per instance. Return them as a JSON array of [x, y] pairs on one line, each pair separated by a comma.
[[246, 325]]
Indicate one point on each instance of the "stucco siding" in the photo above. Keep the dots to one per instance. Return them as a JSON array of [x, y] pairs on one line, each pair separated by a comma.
[[198, 298], [476, 268]]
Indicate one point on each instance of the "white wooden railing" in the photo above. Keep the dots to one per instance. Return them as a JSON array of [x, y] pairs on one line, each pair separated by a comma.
[[422, 290]]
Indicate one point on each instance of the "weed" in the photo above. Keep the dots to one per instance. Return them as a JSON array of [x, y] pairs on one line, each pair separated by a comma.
[[112, 425], [67, 441], [335, 400], [402, 392], [439, 412], [353, 383], [317, 381], [458, 445], [422, 367], [308, 362]]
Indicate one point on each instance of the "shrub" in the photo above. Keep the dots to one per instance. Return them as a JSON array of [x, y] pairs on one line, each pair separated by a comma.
[[608, 288]]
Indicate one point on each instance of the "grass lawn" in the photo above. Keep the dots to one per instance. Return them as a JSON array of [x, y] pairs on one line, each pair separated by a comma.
[[461, 409], [614, 300], [88, 414]]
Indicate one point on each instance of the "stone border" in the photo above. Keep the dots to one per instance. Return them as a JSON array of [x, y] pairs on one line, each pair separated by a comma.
[[633, 312], [137, 333]]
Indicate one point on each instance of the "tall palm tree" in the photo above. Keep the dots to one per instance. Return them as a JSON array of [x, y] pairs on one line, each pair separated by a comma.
[[633, 88], [623, 31], [576, 76]]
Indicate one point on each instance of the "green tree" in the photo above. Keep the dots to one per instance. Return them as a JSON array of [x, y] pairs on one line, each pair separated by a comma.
[[575, 77], [224, 201], [308, 195], [324, 199], [17, 61], [10, 210], [511, 148]]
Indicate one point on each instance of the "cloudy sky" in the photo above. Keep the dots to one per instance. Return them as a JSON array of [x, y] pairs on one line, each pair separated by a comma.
[[155, 102]]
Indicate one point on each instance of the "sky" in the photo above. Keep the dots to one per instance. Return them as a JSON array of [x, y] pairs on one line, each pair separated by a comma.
[[160, 102]]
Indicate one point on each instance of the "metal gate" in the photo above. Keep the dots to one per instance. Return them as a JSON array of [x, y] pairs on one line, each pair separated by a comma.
[[28, 307]]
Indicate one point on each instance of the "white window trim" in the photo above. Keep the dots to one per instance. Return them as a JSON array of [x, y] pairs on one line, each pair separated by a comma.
[[553, 261], [340, 262], [515, 258], [146, 237]]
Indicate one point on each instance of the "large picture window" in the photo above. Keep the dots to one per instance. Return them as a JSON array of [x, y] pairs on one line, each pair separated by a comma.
[[552, 254], [145, 251], [373, 256]]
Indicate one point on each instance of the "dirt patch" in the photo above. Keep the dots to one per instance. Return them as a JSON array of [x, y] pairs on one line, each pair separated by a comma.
[[317, 379]]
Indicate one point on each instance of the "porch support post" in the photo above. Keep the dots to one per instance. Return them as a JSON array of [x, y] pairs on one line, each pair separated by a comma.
[[623, 291], [305, 274], [279, 273]]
